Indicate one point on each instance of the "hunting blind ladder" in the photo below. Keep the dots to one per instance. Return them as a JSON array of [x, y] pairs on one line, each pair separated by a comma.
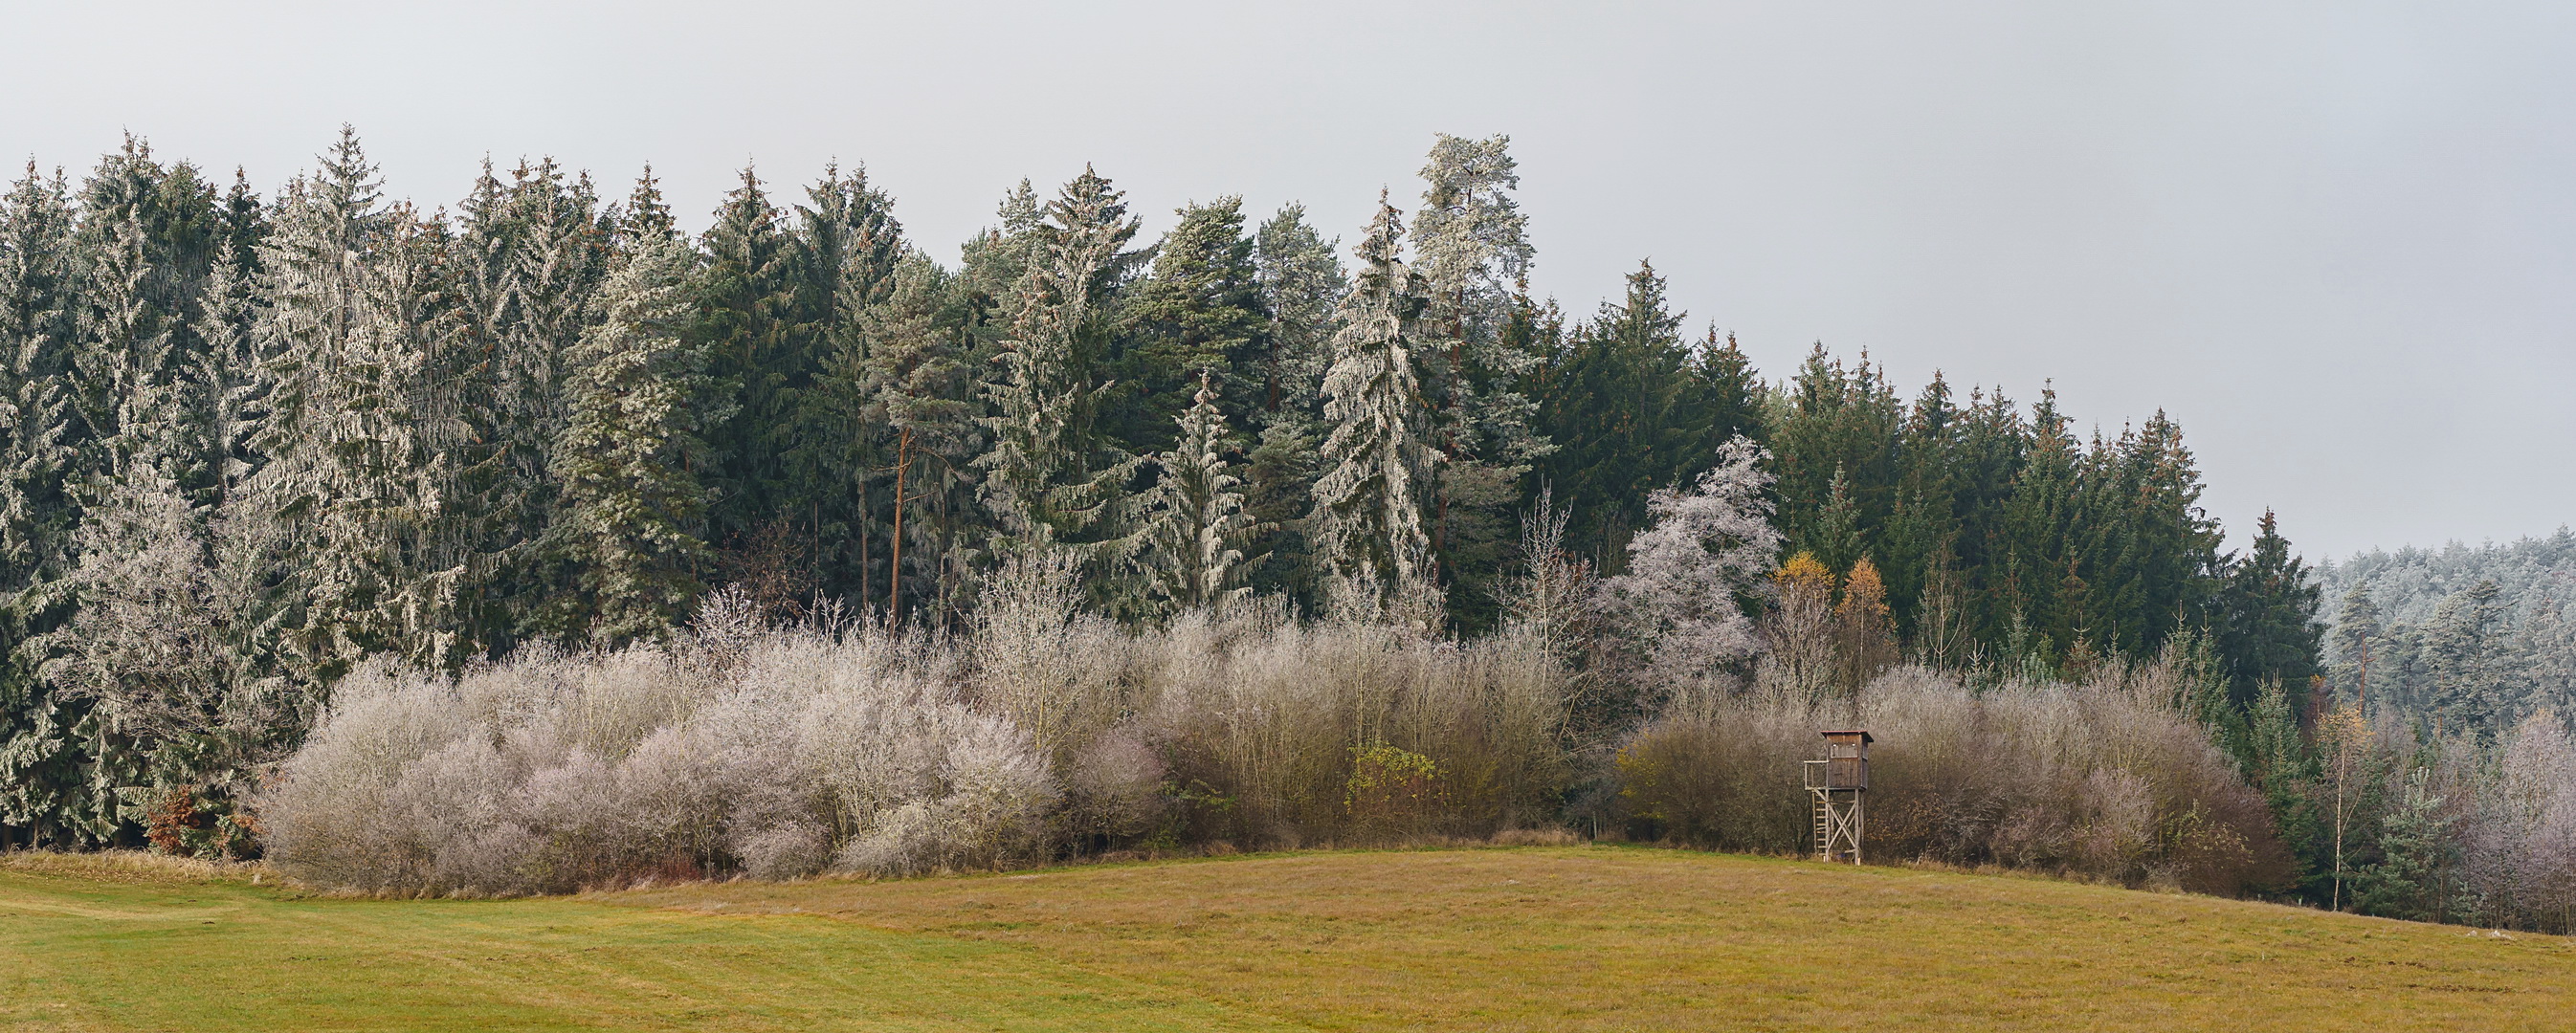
[[1837, 783]]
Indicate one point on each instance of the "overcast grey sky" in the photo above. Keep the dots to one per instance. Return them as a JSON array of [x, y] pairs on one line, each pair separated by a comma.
[[2334, 240]]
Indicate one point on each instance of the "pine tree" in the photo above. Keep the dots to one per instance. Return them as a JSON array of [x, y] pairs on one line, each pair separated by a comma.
[[2036, 527], [921, 386], [1370, 531], [2357, 639], [1197, 526], [1471, 245]]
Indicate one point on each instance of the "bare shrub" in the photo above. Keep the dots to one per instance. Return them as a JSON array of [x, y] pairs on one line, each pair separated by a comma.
[[1263, 719], [1721, 774], [2101, 780]]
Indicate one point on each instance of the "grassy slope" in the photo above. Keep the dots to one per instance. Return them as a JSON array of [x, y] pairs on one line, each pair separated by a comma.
[[1527, 939], [90, 953]]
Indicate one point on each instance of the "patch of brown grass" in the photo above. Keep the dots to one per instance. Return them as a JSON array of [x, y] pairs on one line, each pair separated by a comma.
[[129, 866]]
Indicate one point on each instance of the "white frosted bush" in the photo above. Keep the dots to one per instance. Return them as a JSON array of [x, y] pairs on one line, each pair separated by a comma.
[[781, 753], [767, 754], [2518, 826]]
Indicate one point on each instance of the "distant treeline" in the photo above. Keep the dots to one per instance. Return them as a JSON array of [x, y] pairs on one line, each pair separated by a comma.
[[2469, 639]]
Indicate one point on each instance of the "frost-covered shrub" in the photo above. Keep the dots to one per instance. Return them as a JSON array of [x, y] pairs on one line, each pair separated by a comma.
[[2515, 817], [1720, 773], [1039, 732], [2103, 780], [778, 755]]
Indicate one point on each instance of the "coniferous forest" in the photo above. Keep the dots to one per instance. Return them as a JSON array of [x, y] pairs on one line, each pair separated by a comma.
[[529, 543]]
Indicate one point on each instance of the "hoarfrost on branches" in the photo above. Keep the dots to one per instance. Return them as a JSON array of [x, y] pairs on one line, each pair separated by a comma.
[[1680, 605]]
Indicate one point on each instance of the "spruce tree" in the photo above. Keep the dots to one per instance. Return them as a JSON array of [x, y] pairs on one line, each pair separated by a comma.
[[1631, 408], [2267, 626], [848, 247], [363, 421], [1196, 525], [1200, 310], [41, 774], [759, 354], [1050, 479], [2416, 850], [1302, 285], [2464, 681], [1370, 532], [126, 369], [632, 507], [140, 650], [1844, 425]]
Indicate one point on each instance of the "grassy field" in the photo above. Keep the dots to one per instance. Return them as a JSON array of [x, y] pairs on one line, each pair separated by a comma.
[[1571, 938]]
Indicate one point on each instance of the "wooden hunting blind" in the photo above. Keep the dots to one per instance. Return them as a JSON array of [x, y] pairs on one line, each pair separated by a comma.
[[1836, 784]]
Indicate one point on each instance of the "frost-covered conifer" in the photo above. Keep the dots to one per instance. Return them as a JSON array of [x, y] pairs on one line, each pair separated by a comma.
[[1197, 527], [1470, 243], [2466, 680], [1302, 283], [1370, 533], [228, 380], [1047, 478], [1200, 310], [1679, 607], [632, 504], [40, 758], [1471, 246], [126, 368], [849, 246], [363, 423], [170, 637], [525, 263], [896, 371]]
